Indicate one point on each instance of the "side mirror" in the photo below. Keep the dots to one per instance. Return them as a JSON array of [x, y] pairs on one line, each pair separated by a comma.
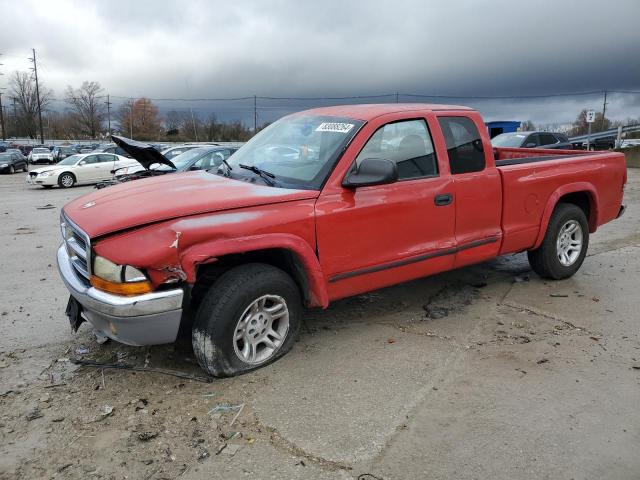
[[530, 145], [82, 162], [372, 171]]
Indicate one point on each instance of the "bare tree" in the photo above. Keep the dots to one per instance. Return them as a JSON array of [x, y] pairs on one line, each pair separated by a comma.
[[23, 89], [87, 108], [527, 126]]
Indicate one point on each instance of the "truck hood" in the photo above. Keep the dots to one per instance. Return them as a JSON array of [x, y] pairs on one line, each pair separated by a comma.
[[151, 200], [145, 154]]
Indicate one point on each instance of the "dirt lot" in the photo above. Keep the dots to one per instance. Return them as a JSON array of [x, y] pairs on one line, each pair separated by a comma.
[[485, 372]]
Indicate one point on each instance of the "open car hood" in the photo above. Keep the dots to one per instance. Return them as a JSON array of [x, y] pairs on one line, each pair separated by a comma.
[[145, 154]]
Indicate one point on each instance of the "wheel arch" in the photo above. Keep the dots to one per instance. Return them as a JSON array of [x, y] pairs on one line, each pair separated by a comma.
[[204, 263], [582, 194]]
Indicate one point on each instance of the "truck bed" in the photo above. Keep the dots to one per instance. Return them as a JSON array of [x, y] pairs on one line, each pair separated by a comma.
[[534, 180]]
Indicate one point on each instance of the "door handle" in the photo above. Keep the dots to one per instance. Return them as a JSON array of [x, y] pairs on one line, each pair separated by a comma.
[[443, 199]]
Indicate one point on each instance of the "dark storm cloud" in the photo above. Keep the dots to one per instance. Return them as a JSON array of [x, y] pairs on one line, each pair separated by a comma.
[[294, 48]]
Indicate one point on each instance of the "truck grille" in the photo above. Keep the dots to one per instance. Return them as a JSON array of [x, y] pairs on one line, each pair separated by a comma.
[[78, 247]]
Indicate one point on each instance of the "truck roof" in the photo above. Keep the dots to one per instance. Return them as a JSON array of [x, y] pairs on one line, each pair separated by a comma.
[[370, 111]]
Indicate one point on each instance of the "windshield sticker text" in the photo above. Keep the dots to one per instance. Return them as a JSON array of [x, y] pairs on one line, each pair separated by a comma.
[[334, 127]]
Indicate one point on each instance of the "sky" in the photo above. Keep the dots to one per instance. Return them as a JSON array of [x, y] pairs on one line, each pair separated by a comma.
[[286, 48]]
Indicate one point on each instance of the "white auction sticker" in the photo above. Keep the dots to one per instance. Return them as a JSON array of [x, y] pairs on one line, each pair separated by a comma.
[[334, 127]]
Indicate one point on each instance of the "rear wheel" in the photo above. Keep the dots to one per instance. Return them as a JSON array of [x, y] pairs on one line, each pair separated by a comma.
[[66, 180], [565, 244], [249, 318], [12, 169]]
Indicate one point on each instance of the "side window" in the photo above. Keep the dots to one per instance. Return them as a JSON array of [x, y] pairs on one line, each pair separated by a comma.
[[91, 159], [464, 144], [547, 139], [408, 144], [532, 140]]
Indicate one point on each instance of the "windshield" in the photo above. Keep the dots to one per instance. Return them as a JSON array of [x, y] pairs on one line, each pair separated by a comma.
[[299, 150], [508, 140], [172, 152], [72, 160], [5, 156], [182, 160], [40, 150]]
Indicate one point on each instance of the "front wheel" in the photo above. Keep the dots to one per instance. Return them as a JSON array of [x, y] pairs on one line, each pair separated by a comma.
[[565, 244], [249, 318], [12, 169], [66, 180]]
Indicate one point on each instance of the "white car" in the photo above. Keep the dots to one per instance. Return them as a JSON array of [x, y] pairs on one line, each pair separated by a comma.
[[40, 155], [79, 169]]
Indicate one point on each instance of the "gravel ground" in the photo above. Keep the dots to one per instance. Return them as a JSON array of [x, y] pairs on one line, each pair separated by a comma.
[[484, 372]]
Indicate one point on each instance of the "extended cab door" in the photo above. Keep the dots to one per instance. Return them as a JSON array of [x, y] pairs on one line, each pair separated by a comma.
[[374, 236], [477, 187]]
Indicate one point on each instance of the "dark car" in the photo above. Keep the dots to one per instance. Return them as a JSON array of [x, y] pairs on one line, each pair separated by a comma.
[[10, 162], [532, 140], [154, 163], [602, 143], [61, 152], [111, 148], [25, 149]]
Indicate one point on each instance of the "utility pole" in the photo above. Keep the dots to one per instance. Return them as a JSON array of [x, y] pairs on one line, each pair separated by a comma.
[[108, 113], [131, 120], [604, 110], [255, 114], [193, 121], [35, 71], [4, 136]]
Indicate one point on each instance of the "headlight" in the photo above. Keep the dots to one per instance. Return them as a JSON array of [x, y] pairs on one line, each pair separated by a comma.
[[119, 279], [48, 173], [4, 165]]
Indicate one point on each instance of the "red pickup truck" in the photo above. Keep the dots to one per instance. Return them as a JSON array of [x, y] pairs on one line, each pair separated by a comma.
[[321, 205]]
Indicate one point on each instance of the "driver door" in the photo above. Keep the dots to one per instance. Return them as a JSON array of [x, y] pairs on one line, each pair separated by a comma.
[[88, 171], [373, 236]]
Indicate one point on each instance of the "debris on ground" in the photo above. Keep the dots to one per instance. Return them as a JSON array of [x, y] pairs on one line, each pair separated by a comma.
[[436, 313], [48, 206], [542, 360], [521, 278], [146, 436], [558, 295], [225, 408], [33, 414], [100, 337], [82, 350], [230, 449], [106, 411]]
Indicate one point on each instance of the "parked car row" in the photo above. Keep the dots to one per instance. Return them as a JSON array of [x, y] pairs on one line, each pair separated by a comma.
[[532, 140]]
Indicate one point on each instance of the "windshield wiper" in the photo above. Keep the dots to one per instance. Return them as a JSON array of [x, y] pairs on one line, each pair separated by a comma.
[[266, 176], [228, 168]]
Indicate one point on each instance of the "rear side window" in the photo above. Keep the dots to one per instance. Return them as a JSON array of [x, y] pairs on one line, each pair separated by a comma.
[[464, 144], [547, 139], [408, 144]]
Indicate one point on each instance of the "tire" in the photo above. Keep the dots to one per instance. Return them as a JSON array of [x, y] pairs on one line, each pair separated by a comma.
[[548, 261], [66, 180], [25, 169], [228, 304], [12, 169]]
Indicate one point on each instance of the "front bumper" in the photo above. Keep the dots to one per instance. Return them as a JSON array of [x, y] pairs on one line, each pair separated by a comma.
[[149, 319], [38, 180]]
